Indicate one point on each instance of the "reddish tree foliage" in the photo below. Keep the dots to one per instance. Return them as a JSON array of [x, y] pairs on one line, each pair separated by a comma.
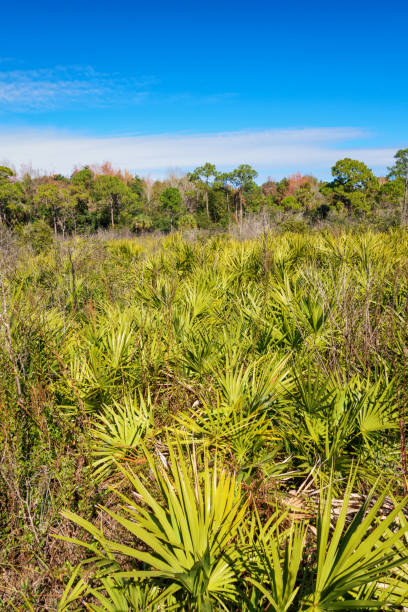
[[295, 181]]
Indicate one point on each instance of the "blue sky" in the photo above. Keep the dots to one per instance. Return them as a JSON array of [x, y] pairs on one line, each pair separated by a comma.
[[169, 85]]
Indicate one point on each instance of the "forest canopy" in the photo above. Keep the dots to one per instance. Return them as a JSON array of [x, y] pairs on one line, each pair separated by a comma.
[[101, 197]]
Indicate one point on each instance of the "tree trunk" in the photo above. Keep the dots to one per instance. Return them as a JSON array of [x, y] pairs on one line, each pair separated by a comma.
[[404, 210], [111, 212], [206, 204], [55, 223]]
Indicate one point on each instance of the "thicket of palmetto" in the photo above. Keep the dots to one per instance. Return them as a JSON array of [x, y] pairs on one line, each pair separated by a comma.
[[221, 424]]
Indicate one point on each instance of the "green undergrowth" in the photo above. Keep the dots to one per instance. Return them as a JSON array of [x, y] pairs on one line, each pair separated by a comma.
[[205, 424]]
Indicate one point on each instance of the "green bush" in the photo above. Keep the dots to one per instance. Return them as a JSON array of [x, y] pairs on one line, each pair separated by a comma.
[[38, 235]]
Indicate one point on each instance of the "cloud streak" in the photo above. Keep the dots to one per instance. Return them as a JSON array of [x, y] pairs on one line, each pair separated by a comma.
[[62, 86], [271, 151], [70, 87]]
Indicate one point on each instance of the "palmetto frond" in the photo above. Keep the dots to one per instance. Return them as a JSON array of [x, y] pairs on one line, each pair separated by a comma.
[[189, 535], [118, 431]]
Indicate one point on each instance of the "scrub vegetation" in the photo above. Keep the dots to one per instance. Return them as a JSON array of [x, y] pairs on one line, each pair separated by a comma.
[[99, 197], [204, 421]]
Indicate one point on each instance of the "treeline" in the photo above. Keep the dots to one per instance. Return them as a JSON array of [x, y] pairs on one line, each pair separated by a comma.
[[98, 197]]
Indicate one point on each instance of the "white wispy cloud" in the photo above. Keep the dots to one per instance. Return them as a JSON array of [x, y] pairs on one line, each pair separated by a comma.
[[61, 86], [69, 87], [271, 151]]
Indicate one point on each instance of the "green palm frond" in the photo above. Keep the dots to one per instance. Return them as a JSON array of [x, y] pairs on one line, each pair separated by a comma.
[[118, 431], [189, 535]]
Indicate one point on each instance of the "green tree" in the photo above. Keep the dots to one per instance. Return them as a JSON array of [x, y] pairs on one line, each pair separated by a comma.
[[67, 210], [137, 186], [354, 185], [391, 193], [243, 179], [205, 175], [225, 181], [49, 200], [171, 200], [83, 178], [217, 203], [112, 193], [400, 171], [353, 175], [11, 194], [80, 197], [171, 203]]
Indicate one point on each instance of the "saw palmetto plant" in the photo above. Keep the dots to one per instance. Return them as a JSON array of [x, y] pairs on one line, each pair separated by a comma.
[[117, 433], [222, 421], [189, 534], [196, 545]]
